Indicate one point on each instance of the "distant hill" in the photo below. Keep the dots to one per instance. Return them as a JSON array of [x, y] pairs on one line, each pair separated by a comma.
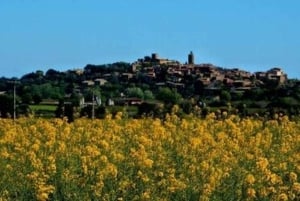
[[158, 80]]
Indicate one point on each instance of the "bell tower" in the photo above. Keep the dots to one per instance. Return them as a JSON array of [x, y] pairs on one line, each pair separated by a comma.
[[191, 58]]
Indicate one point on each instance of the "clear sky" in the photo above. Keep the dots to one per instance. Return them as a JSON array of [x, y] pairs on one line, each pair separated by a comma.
[[254, 35]]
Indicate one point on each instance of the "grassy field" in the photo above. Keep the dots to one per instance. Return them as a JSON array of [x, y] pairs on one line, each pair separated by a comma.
[[43, 110]]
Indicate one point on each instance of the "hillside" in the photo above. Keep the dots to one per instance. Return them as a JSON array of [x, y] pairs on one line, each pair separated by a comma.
[[151, 86]]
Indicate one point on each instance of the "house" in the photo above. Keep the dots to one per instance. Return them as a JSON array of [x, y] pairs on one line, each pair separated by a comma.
[[126, 76], [155, 59], [276, 74], [88, 83], [241, 83], [206, 71], [238, 74], [100, 81], [76, 71], [260, 75], [110, 102]]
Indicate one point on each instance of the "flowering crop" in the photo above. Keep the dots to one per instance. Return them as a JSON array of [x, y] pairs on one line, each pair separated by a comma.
[[150, 159]]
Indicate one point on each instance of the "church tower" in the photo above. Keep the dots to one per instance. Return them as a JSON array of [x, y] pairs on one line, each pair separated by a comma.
[[191, 58]]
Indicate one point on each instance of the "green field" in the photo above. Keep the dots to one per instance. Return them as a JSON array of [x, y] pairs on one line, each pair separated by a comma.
[[43, 110]]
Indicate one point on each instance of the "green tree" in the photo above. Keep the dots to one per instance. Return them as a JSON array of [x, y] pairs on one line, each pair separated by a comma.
[[91, 93], [50, 91], [225, 96], [75, 99], [148, 95], [59, 112], [135, 92], [187, 106], [168, 96], [36, 93], [6, 106], [37, 98], [26, 98]]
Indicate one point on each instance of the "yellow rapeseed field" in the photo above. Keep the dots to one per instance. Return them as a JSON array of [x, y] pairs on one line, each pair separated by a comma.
[[150, 159]]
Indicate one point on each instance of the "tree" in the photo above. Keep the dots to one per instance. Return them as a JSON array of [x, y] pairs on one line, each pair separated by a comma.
[[254, 94], [243, 109], [168, 96], [6, 106], [69, 112], [52, 74], [59, 112], [225, 96], [75, 99], [36, 77], [46, 91], [26, 98], [150, 109], [25, 94], [148, 95], [37, 98], [135, 92], [100, 112], [23, 109], [92, 93], [187, 106], [198, 87]]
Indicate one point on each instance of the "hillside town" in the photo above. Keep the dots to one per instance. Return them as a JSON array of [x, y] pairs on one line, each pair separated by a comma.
[[153, 85], [207, 78]]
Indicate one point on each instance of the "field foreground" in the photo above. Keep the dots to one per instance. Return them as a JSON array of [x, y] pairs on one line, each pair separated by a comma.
[[150, 159]]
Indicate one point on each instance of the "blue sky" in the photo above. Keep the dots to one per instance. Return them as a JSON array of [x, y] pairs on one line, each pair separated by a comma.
[[254, 35]]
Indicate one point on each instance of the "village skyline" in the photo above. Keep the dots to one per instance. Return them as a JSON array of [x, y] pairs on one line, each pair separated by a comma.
[[154, 59]]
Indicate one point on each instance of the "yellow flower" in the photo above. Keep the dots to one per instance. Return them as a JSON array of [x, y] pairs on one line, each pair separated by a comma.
[[148, 163], [143, 176], [207, 189], [119, 115], [293, 176], [262, 163], [283, 166], [296, 187], [283, 197], [35, 147], [44, 191], [250, 179], [42, 197], [274, 179], [251, 193], [195, 142], [103, 159], [4, 154], [112, 170], [204, 166], [263, 192], [172, 189], [146, 195], [271, 189], [160, 174]]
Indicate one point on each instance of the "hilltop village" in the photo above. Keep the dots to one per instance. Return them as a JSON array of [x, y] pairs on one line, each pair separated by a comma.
[[209, 76], [164, 72], [153, 85]]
